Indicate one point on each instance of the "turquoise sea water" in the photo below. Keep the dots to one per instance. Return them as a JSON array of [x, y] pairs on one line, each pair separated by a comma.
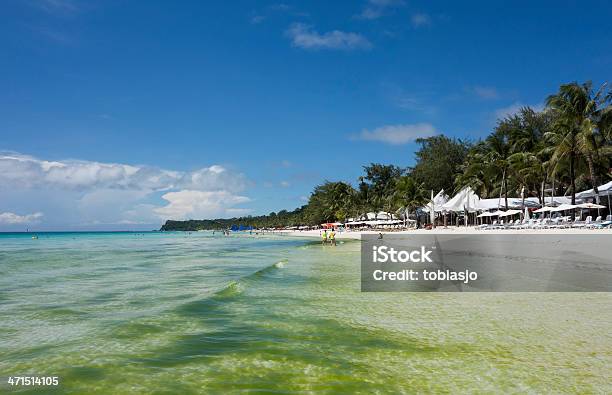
[[164, 313]]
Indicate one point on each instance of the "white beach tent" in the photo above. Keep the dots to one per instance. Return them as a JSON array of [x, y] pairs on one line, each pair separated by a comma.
[[465, 200], [438, 201], [435, 204], [489, 204], [604, 190]]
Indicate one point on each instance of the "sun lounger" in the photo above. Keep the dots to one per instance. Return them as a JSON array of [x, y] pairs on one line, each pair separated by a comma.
[[579, 224], [595, 223], [494, 225], [607, 223], [544, 224], [520, 224]]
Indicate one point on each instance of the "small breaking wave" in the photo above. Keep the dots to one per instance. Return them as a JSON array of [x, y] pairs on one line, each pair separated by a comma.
[[233, 288]]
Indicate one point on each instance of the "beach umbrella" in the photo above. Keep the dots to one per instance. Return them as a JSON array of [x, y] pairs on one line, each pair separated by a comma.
[[543, 210], [590, 205], [564, 207], [509, 212]]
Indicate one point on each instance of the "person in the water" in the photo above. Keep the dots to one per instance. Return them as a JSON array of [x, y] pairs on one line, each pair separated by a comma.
[[324, 237], [332, 237]]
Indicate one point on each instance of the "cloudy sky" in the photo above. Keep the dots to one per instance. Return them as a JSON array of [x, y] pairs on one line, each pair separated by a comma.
[[120, 115]]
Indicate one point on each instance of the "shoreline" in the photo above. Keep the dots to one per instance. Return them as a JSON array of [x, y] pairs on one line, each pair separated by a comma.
[[356, 235]]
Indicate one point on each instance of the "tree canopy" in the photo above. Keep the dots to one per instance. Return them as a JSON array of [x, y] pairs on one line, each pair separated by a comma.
[[563, 149]]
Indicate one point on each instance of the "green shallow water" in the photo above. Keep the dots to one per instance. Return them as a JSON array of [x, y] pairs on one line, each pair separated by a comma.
[[192, 313]]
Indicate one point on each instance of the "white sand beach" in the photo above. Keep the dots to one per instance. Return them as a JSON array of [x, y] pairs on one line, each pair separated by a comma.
[[356, 235]]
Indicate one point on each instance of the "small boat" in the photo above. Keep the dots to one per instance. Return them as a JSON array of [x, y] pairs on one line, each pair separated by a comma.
[[34, 237]]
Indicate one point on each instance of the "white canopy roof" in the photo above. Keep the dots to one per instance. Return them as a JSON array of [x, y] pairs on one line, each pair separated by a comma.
[[438, 202], [564, 207], [465, 200], [489, 204], [510, 212], [590, 205], [605, 189], [381, 215]]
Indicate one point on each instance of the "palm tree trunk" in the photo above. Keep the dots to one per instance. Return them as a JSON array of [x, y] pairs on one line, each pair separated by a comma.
[[573, 184], [501, 189], [506, 190], [589, 159]]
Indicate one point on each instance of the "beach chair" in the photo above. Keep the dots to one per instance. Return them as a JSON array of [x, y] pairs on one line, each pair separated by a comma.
[[607, 223], [565, 223], [520, 224], [580, 224], [557, 222], [543, 224], [595, 223]]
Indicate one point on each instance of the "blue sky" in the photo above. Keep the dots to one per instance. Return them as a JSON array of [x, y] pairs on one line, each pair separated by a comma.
[[119, 115]]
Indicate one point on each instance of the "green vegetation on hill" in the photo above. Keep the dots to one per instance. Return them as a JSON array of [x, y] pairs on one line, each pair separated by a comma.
[[272, 220]]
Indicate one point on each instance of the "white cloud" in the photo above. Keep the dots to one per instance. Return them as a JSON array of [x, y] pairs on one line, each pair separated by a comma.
[[375, 9], [420, 20], [188, 204], [397, 134], [418, 102], [112, 193], [256, 19], [12, 218], [303, 36], [485, 92], [57, 6], [285, 184], [512, 109], [22, 171], [274, 9]]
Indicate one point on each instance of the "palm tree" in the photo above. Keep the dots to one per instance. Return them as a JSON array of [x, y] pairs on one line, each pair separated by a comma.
[[528, 163], [408, 194], [579, 111], [530, 172], [499, 152], [475, 172], [563, 141]]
